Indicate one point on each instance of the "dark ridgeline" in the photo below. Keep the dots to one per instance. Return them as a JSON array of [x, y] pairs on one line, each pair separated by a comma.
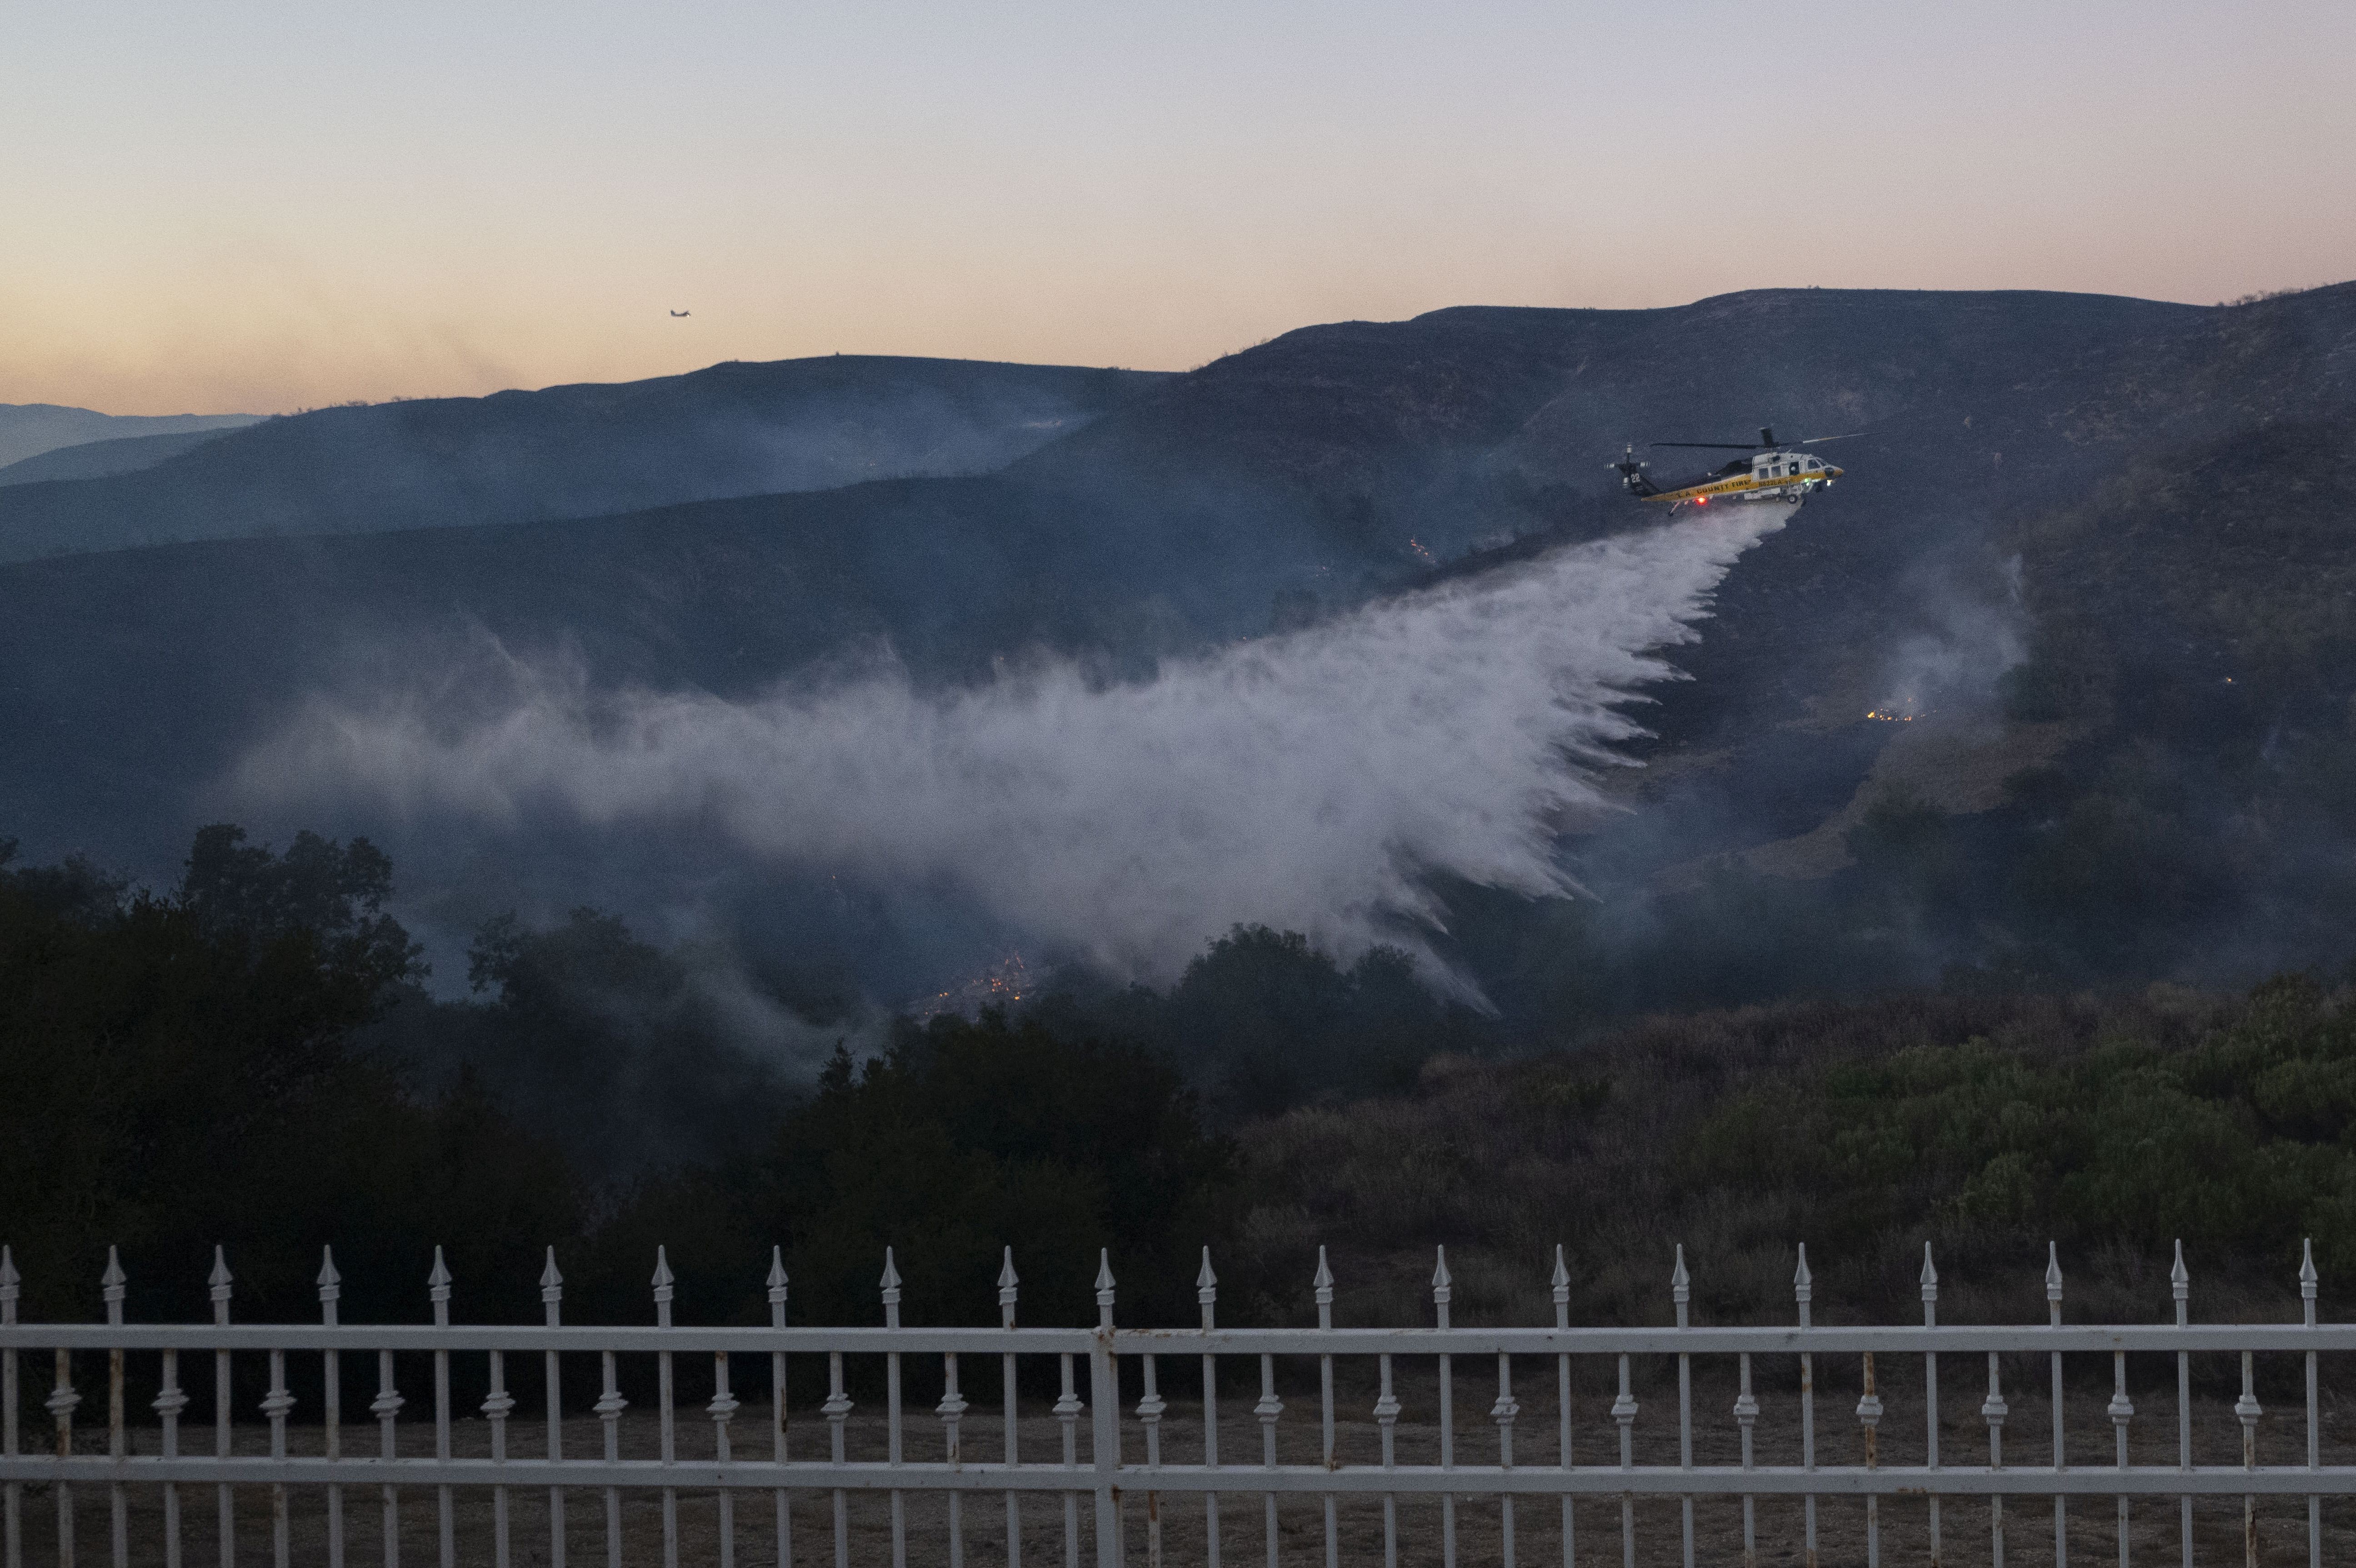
[[733, 429]]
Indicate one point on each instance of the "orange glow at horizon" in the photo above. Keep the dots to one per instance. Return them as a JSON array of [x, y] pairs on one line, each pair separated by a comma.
[[257, 207]]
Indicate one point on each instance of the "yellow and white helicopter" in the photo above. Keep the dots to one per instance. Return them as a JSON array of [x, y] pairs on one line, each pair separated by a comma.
[[1767, 473]]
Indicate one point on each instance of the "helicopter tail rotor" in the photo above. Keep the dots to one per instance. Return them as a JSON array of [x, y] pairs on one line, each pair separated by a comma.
[[1632, 474]]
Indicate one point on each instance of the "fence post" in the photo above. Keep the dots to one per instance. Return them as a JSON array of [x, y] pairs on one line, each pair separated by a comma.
[[219, 1283], [1930, 1280], [776, 1289], [12, 1496], [1008, 1284], [331, 1418], [1105, 1390], [2061, 1449], [2180, 1287], [112, 1284], [1206, 1295], [437, 1289], [1323, 1287], [2307, 1286], [889, 1284], [551, 1307], [1803, 1291], [1561, 1292]]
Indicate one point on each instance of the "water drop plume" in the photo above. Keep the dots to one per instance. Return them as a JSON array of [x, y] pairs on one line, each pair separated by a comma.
[[1310, 780]]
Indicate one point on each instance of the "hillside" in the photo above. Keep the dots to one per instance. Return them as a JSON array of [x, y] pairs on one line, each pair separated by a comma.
[[27, 429], [568, 451], [2069, 519], [98, 459]]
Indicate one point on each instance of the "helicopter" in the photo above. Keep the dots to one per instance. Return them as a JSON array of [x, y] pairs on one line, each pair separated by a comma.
[[1767, 472]]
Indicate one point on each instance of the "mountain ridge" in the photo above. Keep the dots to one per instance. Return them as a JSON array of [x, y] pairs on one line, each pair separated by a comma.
[[581, 449]]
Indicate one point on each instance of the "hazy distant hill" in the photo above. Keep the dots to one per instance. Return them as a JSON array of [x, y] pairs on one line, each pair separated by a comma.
[[2070, 519], [29, 428], [97, 459], [580, 450]]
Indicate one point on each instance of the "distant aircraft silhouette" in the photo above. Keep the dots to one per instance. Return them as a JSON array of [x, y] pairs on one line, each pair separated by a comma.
[[682, 313]]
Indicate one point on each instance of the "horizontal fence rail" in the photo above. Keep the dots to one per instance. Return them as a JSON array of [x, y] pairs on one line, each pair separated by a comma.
[[972, 1460]]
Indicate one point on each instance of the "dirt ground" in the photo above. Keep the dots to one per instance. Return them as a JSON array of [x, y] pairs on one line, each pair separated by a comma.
[[1479, 1521]]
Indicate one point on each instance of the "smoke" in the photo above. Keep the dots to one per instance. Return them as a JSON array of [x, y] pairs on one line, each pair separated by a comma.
[[1309, 780], [1970, 629]]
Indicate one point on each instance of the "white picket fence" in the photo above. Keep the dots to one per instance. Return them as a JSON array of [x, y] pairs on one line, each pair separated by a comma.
[[1121, 1464]]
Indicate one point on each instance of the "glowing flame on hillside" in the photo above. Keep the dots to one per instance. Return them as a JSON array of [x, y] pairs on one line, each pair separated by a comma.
[[1000, 984]]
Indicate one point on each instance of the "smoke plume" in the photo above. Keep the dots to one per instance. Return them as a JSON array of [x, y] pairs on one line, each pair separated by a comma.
[[1308, 780]]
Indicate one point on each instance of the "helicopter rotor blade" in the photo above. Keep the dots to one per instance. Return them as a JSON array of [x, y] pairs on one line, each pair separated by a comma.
[[1814, 440], [1711, 446]]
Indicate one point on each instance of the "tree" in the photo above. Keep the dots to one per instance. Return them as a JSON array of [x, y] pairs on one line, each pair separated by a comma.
[[968, 1137], [330, 895], [178, 1073]]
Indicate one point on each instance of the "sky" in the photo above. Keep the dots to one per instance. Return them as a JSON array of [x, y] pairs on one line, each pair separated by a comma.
[[255, 207]]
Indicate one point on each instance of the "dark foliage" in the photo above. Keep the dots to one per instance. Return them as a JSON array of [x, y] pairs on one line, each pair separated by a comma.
[[176, 1073], [968, 1137], [1265, 1021], [1987, 1126]]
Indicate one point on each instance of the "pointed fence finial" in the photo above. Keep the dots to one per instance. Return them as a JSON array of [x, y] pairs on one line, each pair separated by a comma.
[[2307, 1278], [1323, 1283], [2052, 1271], [2181, 1280], [1009, 1282], [438, 1281], [110, 1286], [1680, 1281], [552, 1282], [1206, 1284], [891, 1280], [1802, 1282], [12, 1283], [1104, 1287], [220, 1282], [1440, 1281], [1930, 1275], [331, 1285], [662, 1283], [776, 1286], [1561, 1280]]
